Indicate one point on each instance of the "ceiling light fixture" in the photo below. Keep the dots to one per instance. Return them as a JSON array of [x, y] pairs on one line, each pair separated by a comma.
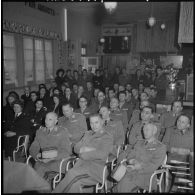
[[151, 19], [110, 6]]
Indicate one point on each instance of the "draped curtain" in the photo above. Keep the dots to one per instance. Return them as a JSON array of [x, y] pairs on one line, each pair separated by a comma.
[[186, 22]]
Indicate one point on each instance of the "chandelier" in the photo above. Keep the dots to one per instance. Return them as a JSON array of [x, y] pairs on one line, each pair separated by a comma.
[[110, 6]]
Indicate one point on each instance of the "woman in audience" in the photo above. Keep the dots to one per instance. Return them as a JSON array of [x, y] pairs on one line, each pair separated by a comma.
[[29, 109], [8, 112], [20, 125], [57, 105], [59, 77]]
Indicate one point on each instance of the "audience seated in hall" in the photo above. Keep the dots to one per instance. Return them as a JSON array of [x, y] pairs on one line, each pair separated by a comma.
[[93, 150]]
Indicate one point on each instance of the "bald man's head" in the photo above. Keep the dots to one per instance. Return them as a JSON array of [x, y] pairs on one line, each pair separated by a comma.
[[51, 119], [150, 130]]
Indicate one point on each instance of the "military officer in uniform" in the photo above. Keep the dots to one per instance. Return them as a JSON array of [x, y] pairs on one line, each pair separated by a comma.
[[146, 156], [136, 132], [117, 114], [74, 122], [168, 119], [179, 139], [50, 137], [113, 127], [124, 105], [85, 110], [93, 150]]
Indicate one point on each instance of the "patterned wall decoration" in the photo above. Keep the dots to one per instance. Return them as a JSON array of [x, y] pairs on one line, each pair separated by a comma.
[[16, 27], [30, 30]]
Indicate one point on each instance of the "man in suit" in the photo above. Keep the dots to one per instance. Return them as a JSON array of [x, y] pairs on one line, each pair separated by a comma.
[[93, 150], [70, 98]]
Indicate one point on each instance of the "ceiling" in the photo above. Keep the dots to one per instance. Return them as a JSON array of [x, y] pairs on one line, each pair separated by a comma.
[[126, 12]]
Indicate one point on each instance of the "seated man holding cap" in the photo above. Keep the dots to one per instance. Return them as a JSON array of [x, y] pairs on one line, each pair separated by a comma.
[[141, 161], [50, 146]]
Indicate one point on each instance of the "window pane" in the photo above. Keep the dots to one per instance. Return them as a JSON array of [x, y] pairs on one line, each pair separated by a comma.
[[39, 55], [38, 44], [28, 71], [9, 54], [10, 72], [40, 74], [28, 43], [48, 56], [28, 55], [9, 63], [8, 41], [48, 46]]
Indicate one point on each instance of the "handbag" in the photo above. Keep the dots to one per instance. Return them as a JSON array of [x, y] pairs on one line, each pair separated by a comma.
[[119, 171]]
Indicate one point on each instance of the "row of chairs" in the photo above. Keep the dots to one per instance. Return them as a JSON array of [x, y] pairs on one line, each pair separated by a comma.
[[158, 175]]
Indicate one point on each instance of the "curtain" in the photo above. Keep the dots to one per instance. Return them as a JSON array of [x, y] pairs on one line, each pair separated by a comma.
[[186, 22]]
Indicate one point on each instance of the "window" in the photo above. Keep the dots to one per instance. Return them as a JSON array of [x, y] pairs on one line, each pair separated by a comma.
[[38, 60], [9, 59], [28, 60]]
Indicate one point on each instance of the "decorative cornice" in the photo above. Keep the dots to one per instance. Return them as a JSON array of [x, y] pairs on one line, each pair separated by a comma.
[[15, 27]]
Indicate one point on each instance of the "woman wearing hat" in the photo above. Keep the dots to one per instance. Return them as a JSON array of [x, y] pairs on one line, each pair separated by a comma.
[[20, 125]]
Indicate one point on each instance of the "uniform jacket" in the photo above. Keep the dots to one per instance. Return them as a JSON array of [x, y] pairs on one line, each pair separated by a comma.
[[136, 132], [128, 107], [175, 138], [115, 128], [135, 117], [87, 113], [122, 116], [95, 160], [58, 139], [150, 155], [76, 126]]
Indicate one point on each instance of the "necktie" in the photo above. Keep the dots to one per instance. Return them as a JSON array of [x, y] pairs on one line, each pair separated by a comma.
[[106, 122]]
